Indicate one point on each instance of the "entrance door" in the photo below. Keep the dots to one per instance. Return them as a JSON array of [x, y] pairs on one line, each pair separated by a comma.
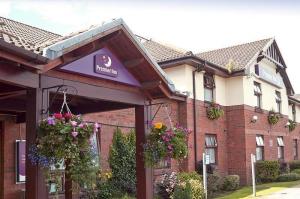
[[1, 160]]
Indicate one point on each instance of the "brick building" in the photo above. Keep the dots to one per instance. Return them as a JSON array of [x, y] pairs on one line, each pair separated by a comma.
[[247, 81]]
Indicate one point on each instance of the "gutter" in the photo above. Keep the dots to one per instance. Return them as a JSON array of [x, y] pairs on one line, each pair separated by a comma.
[[199, 68], [21, 52]]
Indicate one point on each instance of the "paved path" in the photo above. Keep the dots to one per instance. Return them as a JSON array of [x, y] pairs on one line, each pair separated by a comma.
[[288, 193]]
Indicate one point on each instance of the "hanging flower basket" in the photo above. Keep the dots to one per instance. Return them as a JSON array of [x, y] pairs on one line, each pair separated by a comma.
[[292, 125], [214, 111], [65, 139], [273, 117], [164, 143]]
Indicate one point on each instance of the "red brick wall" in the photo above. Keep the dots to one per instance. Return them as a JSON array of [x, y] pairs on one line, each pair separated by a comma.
[[12, 132]]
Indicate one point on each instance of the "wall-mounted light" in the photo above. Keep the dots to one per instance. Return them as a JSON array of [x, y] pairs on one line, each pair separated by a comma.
[[254, 118], [287, 124]]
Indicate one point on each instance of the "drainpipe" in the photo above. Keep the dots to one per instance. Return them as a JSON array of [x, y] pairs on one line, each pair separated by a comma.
[[199, 68]]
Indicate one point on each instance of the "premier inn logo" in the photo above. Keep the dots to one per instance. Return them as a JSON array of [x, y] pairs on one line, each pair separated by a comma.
[[104, 64]]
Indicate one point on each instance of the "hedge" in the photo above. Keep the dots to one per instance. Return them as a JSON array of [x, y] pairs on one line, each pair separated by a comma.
[[294, 164], [287, 177], [267, 171], [231, 183]]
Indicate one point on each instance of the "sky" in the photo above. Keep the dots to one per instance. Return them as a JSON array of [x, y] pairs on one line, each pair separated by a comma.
[[191, 25]]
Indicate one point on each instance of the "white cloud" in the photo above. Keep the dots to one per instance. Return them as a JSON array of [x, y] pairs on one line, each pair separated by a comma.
[[5, 8]]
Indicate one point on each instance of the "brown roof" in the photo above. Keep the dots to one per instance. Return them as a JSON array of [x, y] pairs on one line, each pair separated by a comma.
[[162, 52], [238, 56], [23, 35]]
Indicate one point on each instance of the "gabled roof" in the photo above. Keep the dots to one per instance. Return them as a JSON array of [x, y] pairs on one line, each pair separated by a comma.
[[238, 56]]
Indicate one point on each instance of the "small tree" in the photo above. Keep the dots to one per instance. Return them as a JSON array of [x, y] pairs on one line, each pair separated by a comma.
[[122, 161]]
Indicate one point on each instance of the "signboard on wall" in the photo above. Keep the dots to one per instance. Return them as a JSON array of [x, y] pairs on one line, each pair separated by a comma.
[[20, 161], [270, 77]]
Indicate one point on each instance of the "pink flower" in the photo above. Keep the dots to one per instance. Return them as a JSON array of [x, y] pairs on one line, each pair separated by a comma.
[[73, 123], [74, 134], [58, 116], [81, 125], [96, 127]]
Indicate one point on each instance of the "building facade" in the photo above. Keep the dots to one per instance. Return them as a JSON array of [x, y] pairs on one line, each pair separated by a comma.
[[248, 81]]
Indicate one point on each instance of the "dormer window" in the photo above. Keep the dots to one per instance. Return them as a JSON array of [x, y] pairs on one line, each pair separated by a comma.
[[209, 85], [278, 101]]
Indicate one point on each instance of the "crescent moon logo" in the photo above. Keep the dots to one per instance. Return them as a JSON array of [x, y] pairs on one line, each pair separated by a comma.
[[108, 63]]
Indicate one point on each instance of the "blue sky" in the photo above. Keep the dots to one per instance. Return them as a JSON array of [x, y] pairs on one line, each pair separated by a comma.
[[192, 25]]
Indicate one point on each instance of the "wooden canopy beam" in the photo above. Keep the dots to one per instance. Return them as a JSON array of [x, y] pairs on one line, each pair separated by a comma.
[[151, 85], [12, 94], [133, 62], [12, 105]]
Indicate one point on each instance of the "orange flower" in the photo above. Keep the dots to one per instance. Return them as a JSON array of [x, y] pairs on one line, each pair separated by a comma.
[[158, 125]]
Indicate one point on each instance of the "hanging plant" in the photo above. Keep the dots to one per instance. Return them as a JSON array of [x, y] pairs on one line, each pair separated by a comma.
[[214, 111], [291, 125], [273, 117], [164, 143], [64, 141]]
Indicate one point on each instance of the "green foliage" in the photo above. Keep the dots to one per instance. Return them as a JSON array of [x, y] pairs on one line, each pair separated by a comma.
[[273, 117], [295, 164], [214, 111], [296, 171], [189, 187], [186, 176], [105, 190], [122, 161], [231, 183], [65, 140], [287, 177], [267, 171], [292, 125], [164, 143], [214, 183], [284, 167]]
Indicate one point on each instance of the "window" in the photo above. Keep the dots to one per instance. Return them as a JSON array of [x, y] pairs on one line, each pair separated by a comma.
[[209, 85], [294, 112], [259, 147], [278, 101], [257, 93], [280, 148], [211, 148], [257, 69], [295, 149]]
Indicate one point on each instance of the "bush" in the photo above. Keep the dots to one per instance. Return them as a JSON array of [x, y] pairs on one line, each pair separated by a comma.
[[185, 176], [209, 168], [165, 188], [284, 168], [188, 189], [267, 171], [231, 183], [122, 161], [106, 190], [294, 164], [296, 171], [288, 177]]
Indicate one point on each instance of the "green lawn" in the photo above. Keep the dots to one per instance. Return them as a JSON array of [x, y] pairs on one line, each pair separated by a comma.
[[261, 190]]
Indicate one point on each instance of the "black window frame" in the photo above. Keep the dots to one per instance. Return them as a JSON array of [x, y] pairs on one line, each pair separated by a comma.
[[258, 94], [214, 147], [209, 84]]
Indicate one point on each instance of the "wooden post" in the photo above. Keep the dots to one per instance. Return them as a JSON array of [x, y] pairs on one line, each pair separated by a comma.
[[144, 175], [35, 183]]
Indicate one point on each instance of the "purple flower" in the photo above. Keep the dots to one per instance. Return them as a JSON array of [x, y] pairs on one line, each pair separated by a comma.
[[51, 121], [74, 134], [81, 125], [73, 123]]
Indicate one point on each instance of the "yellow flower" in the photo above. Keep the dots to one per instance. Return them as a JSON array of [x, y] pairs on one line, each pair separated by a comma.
[[158, 125]]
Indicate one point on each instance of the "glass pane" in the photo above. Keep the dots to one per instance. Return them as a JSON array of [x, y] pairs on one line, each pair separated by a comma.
[[211, 153], [259, 153], [95, 149], [208, 95]]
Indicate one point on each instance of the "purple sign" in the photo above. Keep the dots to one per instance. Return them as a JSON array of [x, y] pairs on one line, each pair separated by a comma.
[[102, 64], [20, 160]]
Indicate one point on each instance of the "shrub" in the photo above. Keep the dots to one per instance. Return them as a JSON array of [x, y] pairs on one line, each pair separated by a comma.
[[189, 189], [105, 189], [185, 176], [165, 188], [214, 111], [296, 171], [294, 164], [122, 161], [214, 183], [284, 168], [267, 171], [287, 177], [209, 168], [231, 183]]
